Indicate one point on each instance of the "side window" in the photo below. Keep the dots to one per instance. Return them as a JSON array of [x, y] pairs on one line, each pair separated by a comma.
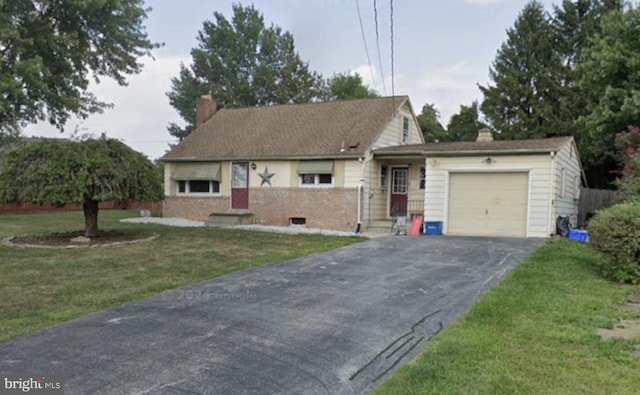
[[384, 170], [405, 130]]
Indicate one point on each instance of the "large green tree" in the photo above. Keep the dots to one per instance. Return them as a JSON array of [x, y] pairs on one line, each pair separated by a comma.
[[51, 49], [429, 122], [345, 86], [464, 125], [576, 23], [86, 172], [241, 62], [522, 100], [609, 76]]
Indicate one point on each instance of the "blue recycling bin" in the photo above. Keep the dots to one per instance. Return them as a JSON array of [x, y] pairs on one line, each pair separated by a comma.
[[433, 228]]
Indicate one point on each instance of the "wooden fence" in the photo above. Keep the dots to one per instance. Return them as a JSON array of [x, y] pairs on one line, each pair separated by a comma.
[[592, 200]]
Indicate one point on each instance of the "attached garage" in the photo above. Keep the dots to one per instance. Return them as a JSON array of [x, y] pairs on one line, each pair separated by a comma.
[[506, 188], [488, 204]]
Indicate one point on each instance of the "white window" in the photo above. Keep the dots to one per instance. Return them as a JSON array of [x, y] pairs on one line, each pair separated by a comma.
[[576, 186], [316, 180], [405, 130], [198, 187], [563, 181], [400, 181], [384, 170], [422, 176]]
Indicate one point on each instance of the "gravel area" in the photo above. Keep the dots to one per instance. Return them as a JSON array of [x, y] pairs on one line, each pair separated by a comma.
[[294, 230], [181, 222]]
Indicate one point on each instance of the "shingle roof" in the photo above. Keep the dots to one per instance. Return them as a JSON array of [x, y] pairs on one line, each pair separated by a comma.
[[287, 131], [552, 144]]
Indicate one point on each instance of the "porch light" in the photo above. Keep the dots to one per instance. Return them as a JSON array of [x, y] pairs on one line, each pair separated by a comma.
[[489, 160]]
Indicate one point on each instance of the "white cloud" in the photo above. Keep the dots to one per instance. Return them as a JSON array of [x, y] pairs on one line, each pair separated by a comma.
[[141, 113], [449, 87], [369, 75]]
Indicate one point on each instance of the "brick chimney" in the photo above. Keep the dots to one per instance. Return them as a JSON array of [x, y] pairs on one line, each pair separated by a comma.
[[485, 135], [206, 108]]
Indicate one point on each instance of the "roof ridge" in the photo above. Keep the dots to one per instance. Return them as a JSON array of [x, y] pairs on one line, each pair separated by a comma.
[[340, 101]]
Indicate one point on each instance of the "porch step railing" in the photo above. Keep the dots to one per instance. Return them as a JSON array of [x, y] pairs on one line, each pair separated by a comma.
[[416, 207], [410, 207]]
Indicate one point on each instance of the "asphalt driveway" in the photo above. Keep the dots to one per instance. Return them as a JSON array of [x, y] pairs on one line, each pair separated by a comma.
[[335, 323]]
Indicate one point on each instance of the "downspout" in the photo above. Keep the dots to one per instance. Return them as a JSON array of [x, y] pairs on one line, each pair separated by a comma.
[[552, 194], [363, 163], [360, 187]]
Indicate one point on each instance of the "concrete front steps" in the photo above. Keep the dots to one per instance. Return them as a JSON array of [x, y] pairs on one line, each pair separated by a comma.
[[380, 227], [230, 218]]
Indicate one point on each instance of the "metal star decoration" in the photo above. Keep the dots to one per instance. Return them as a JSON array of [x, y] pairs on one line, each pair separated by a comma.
[[266, 176]]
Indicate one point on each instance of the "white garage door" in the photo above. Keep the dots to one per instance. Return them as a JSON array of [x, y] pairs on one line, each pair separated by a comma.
[[488, 204]]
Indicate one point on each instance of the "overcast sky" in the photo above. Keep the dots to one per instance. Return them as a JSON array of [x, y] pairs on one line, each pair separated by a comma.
[[443, 50]]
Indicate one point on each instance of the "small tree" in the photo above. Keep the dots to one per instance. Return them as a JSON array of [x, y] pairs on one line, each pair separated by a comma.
[[464, 125], [242, 62], [429, 122], [86, 172], [345, 86]]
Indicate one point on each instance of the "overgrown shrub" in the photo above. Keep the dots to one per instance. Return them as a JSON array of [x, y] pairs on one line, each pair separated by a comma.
[[616, 233]]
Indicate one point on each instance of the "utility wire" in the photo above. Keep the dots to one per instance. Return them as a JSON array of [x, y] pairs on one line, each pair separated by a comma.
[[393, 71], [366, 47], [375, 16]]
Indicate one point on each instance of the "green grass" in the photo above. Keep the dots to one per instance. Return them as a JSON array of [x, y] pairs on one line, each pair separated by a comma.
[[43, 287], [535, 333]]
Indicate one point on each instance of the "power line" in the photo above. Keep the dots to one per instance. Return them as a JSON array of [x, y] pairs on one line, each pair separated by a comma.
[[366, 47], [375, 17], [393, 72]]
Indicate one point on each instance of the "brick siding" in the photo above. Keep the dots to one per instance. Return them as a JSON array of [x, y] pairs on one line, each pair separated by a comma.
[[324, 208], [194, 208]]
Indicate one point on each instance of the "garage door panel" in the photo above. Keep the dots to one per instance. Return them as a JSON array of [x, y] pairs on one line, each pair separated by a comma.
[[488, 204]]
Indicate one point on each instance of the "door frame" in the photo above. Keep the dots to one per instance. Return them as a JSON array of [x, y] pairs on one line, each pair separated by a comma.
[[392, 178], [239, 195]]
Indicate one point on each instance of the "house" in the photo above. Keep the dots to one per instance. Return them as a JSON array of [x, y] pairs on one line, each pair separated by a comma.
[[498, 188], [356, 164], [301, 164]]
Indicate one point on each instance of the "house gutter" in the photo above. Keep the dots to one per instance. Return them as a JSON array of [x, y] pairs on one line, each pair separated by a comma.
[[391, 154], [261, 158]]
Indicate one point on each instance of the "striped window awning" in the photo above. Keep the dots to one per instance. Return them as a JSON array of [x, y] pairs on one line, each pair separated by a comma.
[[196, 171], [315, 167]]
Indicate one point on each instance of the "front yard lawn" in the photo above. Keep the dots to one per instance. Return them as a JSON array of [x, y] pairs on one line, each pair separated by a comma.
[[43, 287], [535, 333]]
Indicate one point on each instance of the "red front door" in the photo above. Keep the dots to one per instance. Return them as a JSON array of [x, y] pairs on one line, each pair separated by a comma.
[[240, 185], [399, 191]]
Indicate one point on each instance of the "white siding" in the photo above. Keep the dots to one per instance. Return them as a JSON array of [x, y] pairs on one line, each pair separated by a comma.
[[352, 173], [567, 162], [538, 166], [377, 205], [168, 186], [392, 135], [373, 207]]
